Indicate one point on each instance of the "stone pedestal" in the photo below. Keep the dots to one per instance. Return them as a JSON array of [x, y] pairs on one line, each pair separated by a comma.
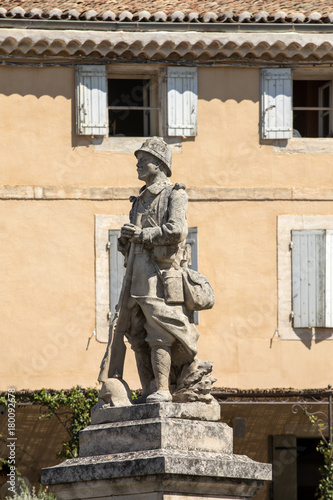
[[162, 451]]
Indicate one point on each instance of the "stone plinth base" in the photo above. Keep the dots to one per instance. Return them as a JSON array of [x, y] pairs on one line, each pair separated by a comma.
[[162, 451], [158, 487], [167, 496]]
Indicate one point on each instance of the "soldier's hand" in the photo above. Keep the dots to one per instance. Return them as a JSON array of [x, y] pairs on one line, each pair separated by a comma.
[[131, 232], [127, 231]]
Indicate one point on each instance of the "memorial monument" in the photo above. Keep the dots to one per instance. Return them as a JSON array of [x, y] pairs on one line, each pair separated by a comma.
[[169, 443], [160, 292]]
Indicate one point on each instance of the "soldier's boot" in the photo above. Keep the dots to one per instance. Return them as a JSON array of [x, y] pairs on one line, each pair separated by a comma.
[[146, 374], [161, 362]]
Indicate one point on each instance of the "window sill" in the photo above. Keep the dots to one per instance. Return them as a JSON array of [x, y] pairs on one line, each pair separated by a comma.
[[298, 145], [129, 144], [316, 334]]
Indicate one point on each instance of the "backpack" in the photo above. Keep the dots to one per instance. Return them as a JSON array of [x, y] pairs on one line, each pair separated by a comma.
[[198, 292]]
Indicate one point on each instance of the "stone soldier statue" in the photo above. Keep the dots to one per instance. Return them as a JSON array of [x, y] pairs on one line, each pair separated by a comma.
[[158, 324]]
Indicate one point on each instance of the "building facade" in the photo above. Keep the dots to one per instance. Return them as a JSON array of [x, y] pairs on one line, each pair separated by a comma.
[[244, 97]]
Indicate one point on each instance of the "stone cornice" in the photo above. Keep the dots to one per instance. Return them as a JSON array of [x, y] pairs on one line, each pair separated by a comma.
[[195, 194], [162, 45]]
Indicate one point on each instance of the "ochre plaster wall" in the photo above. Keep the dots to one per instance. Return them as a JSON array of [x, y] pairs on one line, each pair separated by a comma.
[[39, 145], [47, 290]]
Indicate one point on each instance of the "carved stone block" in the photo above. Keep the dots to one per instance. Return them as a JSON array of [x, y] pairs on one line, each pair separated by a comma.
[[158, 451]]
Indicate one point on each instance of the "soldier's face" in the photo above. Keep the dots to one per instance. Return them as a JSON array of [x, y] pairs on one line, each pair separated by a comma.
[[147, 166]]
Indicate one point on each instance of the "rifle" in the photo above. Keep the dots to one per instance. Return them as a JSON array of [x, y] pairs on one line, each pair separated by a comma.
[[112, 365]]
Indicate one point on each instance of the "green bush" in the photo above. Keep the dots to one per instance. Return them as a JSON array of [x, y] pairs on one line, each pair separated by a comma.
[[325, 447], [25, 494], [78, 403]]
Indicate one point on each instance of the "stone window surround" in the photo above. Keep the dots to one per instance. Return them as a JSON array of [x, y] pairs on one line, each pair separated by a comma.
[[102, 225], [285, 223], [128, 145], [304, 145]]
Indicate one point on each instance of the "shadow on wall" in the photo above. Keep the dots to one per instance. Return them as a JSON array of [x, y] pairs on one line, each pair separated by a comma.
[[224, 84], [38, 82], [214, 83]]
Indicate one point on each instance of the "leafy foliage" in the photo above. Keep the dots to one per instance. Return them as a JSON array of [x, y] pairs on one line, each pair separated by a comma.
[[325, 487], [79, 402], [75, 404], [4, 465], [25, 494], [325, 447]]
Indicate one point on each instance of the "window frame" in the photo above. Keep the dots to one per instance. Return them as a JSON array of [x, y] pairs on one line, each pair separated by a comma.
[[157, 75], [91, 90], [325, 110], [327, 77]]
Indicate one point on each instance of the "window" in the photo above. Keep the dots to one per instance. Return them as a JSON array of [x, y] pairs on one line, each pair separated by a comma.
[[312, 108], [134, 101], [133, 105], [296, 103], [305, 277]]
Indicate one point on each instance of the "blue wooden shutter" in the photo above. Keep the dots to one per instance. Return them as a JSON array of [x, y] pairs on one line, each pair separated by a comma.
[[276, 103], [329, 280], [116, 271], [308, 278], [182, 101], [192, 241], [91, 100]]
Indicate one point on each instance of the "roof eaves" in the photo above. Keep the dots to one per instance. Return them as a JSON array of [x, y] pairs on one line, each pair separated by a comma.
[[182, 46], [178, 16], [111, 24]]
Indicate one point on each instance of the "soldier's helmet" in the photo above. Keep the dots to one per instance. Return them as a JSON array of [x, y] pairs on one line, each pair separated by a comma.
[[160, 149]]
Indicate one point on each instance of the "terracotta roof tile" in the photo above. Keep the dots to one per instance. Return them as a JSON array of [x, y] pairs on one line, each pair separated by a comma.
[[144, 44], [175, 10]]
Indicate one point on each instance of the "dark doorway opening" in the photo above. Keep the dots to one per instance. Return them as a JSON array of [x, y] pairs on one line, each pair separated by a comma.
[[309, 460]]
